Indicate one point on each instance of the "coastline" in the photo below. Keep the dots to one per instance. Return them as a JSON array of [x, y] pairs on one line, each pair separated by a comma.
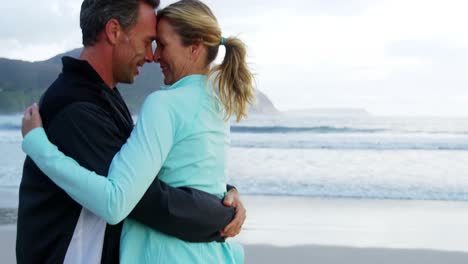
[[337, 255], [263, 253], [282, 229], [402, 224]]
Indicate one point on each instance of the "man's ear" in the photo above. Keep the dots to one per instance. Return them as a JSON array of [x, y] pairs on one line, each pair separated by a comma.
[[113, 30]]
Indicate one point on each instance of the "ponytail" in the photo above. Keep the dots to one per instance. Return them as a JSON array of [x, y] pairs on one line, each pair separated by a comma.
[[234, 79]]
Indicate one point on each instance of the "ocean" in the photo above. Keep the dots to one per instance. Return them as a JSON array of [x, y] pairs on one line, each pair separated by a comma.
[[363, 157]]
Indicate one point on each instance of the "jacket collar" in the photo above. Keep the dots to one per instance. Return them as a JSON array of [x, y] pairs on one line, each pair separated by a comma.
[[82, 68]]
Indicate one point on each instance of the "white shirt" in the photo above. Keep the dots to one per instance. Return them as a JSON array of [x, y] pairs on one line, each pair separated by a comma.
[[87, 241]]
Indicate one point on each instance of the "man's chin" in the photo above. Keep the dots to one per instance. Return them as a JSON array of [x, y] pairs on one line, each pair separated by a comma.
[[129, 80]]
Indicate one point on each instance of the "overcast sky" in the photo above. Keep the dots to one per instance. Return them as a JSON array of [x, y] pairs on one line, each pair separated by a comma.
[[391, 57]]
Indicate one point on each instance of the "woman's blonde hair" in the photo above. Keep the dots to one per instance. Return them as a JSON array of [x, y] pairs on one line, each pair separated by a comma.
[[194, 21]]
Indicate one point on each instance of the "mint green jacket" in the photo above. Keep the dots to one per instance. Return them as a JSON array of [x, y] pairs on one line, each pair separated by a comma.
[[181, 137]]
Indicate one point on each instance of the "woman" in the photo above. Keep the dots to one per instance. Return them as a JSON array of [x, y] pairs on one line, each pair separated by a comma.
[[181, 131]]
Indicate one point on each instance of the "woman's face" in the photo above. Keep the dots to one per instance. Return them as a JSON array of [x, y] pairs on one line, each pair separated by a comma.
[[174, 58]]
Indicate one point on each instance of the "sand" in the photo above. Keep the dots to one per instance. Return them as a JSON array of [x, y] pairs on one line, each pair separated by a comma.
[[256, 254], [326, 231]]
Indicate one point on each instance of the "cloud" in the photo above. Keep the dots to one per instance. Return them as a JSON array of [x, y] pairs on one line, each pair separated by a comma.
[[389, 56], [431, 50], [34, 31], [27, 20]]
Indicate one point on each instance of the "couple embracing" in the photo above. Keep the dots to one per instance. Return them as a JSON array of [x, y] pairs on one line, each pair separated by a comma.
[[95, 188]]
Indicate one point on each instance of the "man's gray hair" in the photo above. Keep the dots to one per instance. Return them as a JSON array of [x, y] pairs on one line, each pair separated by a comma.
[[95, 14]]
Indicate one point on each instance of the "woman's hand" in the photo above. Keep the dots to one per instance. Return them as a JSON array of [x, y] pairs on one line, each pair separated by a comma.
[[31, 119]]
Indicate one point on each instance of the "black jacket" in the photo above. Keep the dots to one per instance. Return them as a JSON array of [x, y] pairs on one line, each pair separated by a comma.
[[90, 122]]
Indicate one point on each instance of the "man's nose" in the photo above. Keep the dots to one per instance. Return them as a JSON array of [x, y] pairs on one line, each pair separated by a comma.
[[149, 55]]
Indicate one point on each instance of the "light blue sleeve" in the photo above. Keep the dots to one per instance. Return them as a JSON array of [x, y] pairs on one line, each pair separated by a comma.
[[132, 171]]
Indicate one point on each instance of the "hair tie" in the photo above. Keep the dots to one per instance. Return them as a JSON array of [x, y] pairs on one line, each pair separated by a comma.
[[223, 41]]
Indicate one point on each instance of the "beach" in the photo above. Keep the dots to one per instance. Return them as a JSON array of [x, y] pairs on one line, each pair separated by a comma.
[[368, 190], [312, 230], [339, 255], [303, 254]]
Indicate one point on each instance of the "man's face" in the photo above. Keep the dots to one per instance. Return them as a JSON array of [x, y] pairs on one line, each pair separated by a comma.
[[134, 47]]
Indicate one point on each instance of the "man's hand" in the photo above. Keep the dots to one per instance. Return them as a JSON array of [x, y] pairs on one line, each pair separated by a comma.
[[232, 198]]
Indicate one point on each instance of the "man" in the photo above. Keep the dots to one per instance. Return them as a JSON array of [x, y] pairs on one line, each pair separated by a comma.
[[85, 116]]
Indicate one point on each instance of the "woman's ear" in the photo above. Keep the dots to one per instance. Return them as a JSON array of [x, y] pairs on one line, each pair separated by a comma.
[[196, 49]]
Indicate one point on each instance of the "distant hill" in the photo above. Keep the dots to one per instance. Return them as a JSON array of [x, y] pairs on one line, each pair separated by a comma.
[[22, 83], [263, 105]]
